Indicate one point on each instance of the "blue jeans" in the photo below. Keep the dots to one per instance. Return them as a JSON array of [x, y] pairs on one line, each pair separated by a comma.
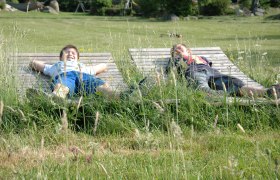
[[78, 83], [211, 81]]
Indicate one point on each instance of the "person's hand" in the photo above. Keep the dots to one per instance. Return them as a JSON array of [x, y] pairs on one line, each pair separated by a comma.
[[181, 51], [31, 64]]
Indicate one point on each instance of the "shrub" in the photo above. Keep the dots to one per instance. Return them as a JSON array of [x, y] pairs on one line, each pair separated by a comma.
[[180, 8], [158, 8], [275, 3], [99, 6], [114, 11], [262, 3], [65, 5], [68, 6], [149, 7], [2, 5], [214, 7], [245, 3], [13, 1]]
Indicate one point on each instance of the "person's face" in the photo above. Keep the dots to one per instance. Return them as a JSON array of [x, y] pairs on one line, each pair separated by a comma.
[[179, 51], [180, 48], [70, 54]]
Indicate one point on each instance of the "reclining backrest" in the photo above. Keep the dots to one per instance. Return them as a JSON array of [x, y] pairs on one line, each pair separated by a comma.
[[29, 78], [151, 60]]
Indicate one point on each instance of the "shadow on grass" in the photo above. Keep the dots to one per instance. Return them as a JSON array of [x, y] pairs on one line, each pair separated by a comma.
[[273, 17], [268, 37], [67, 15]]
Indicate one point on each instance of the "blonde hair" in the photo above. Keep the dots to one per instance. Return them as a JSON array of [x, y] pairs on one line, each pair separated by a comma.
[[172, 50]]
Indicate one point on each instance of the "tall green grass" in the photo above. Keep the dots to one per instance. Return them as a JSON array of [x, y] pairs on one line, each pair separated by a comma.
[[141, 137]]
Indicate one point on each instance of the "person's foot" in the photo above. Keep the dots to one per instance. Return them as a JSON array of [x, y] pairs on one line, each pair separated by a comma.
[[271, 93]]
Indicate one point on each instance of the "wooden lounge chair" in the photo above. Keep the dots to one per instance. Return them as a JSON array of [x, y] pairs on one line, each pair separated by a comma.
[[28, 78], [151, 60]]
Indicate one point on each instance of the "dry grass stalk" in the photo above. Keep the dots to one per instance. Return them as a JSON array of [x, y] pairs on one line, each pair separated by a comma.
[[252, 95], [42, 143], [192, 128], [162, 75], [216, 121], [140, 94], [274, 93], [96, 122], [176, 131], [1, 110], [158, 79], [76, 150], [224, 87], [136, 134], [79, 102], [64, 121], [104, 169], [241, 128], [275, 96], [41, 152], [161, 103], [174, 78], [64, 60], [147, 125], [22, 115], [128, 75], [10, 108], [158, 107]]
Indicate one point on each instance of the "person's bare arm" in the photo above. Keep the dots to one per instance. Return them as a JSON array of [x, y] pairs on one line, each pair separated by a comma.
[[37, 65], [100, 68]]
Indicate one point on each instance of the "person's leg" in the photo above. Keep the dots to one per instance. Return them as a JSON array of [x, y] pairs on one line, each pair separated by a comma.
[[235, 86], [226, 83], [200, 80], [274, 91], [107, 91], [64, 85], [94, 85], [250, 91], [60, 90]]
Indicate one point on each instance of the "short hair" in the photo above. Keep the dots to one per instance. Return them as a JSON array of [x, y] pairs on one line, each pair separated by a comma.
[[68, 47], [172, 50]]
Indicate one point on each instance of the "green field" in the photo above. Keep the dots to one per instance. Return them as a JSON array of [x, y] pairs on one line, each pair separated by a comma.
[[135, 140]]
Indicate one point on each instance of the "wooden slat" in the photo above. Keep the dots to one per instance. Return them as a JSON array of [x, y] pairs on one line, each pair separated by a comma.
[[28, 78], [153, 59]]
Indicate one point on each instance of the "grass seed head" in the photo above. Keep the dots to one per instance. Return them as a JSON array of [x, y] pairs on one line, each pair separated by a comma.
[[274, 93], [158, 79], [22, 115], [158, 107], [96, 122], [79, 102], [174, 78], [176, 130], [216, 121], [1, 110], [136, 134], [64, 121], [241, 128]]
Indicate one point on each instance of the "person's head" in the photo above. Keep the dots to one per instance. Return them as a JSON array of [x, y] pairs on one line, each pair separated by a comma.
[[70, 52], [177, 48]]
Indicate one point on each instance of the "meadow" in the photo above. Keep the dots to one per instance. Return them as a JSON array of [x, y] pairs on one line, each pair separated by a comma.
[[135, 140]]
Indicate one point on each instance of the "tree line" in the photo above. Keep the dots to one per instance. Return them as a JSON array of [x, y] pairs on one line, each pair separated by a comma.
[[156, 8]]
